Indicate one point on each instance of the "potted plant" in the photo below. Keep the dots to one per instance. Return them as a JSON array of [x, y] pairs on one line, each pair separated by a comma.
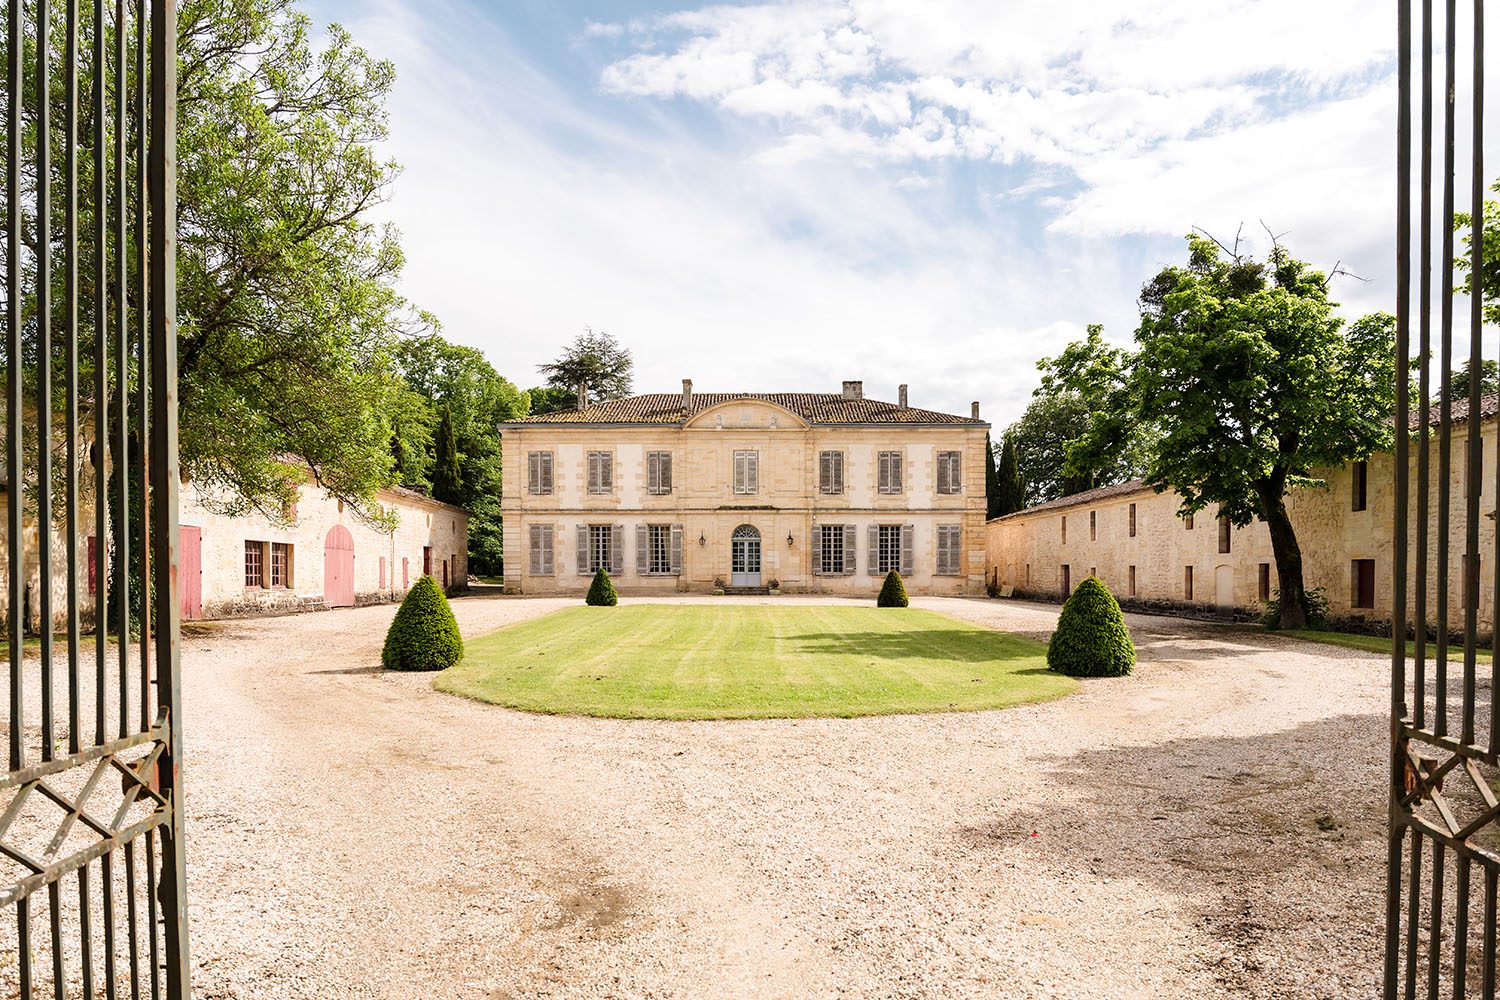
[[718, 586], [774, 586]]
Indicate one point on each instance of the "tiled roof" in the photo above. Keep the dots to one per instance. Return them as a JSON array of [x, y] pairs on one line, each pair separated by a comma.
[[1086, 497], [1489, 406], [420, 497], [814, 407]]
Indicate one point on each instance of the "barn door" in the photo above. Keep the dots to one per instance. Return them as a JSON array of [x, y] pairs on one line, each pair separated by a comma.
[[1444, 834], [338, 568], [92, 879], [190, 570]]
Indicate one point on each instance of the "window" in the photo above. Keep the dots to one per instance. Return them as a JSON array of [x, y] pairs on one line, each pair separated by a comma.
[[1188, 521], [1360, 486], [1065, 529], [1093, 526], [1132, 520], [1187, 583], [1132, 581], [659, 473], [601, 470], [427, 560], [539, 473], [281, 564], [885, 554], [542, 561], [746, 472], [1265, 582], [950, 550], [255, 564], [1067, 579], [1363, 572], [1028, 576], [833, 549], [658, 549], [831, 472], [1223, 533], [889, 472], [599, 546], [949, 472]]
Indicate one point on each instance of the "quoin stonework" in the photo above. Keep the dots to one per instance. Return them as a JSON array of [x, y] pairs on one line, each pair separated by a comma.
[[1139, 544], [814, 492]]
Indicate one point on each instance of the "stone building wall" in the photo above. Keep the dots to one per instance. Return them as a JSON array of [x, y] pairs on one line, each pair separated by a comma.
[[1027, 551], [786, 508]]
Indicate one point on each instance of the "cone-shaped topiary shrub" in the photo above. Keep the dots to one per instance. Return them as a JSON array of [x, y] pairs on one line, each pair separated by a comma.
[[602, 592], [423, 635], [1091, 638], [892, 592]]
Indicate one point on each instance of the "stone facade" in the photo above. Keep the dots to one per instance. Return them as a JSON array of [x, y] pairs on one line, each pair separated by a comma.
[[384, 563], [747, 465], [1346, 545]]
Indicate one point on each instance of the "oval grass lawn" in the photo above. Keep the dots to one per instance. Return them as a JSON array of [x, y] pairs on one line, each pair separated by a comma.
[[727, 661]]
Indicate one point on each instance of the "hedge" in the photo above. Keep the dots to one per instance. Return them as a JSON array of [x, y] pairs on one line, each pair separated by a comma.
[[892, 592], [1091, 638], [602, 592], [424, 634]]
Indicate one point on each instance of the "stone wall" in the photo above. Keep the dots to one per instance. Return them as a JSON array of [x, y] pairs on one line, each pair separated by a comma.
[[787, 505], [1027, 550]]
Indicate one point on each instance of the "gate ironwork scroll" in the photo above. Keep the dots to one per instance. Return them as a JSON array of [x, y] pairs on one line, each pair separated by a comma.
[[91, 829]]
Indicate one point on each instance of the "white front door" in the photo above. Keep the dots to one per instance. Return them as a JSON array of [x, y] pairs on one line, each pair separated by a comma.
[[744, 557]]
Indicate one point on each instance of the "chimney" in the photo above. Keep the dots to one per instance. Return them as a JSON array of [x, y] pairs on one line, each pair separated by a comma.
[[854, 390], [901, 396], [687, 394], [583, 395], [974, 409]]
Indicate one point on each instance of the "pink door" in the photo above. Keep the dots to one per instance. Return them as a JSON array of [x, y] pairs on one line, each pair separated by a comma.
[[338, 568], [189, 570], [405, 575], [382, 572]]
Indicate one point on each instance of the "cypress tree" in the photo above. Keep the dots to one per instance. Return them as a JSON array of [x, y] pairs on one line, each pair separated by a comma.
[[1010, 494], [991, 481], [447, 477]]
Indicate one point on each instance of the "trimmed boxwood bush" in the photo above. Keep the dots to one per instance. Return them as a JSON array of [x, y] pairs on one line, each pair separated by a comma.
[[892, 592], [1091, 638], [602, 592], [423, 635]]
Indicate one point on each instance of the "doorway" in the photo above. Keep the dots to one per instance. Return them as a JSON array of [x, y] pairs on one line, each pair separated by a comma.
[[744, 557]]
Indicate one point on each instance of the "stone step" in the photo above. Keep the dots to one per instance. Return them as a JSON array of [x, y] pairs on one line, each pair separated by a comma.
[[747, 591]]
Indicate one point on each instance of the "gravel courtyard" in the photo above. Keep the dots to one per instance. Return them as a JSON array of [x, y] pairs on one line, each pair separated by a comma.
[[1211, 827]]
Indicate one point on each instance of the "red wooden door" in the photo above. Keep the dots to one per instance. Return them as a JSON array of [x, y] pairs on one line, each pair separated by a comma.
[[338, 568], [190, 571]]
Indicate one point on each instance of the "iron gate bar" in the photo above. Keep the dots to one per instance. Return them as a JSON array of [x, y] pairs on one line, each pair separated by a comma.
[[70, 364], [44, 364], [1424, 405]]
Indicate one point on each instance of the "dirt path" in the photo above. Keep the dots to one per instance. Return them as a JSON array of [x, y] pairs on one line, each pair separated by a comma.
[[1210, 827]]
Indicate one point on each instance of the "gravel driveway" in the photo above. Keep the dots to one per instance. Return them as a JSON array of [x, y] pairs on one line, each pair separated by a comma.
[[1210, 827]]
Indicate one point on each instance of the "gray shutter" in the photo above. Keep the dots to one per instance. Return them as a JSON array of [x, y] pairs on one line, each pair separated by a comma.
[[653, 471], [838, 472], [677, 550], [642, 550], [873, 555], [752, 465], [617, 549], [850, 544], [956, 472], [549, 565], [942, 472], [606, 472], [908, 538], [739, 472], [593, 472], [536, 550], [583, 550], [825, 471], [664, 472], [546, 468], [817, 550], [534, 476], [898, 474]]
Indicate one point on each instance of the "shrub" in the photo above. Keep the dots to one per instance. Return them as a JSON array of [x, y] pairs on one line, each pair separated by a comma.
[[892, 592], [1317, 610], [602, 592], [1091, 638], [423, 635]]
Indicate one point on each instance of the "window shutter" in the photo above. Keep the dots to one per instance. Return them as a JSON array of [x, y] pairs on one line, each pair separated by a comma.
[[825, 472], [549, 565], [666, 472], [546, 472], [873, 554], [908, 539], [534, 472], [653, 472], [617, 549], [896, 473], [677, 549], [593, 472], [850, 542], [642, 550], [944, 480], [753, 467], [583, 550], [536, 550], [739, 472], [817, 550], [606, 472]]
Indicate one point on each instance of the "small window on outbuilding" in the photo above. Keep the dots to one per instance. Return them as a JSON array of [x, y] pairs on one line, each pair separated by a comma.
[[1132, 581], [1132, 520], [1187, 583], [1363, 573], [1093, 526], [1225, 530], [1067, 580], [1360, 486], [1265, 582]]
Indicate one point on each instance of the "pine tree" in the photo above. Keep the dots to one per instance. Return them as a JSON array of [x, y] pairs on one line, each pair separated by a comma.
[[1010, 491], [447, 478], [991, 481]]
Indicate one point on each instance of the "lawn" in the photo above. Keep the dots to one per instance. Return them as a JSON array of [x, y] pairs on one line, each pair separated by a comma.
[[1380, 644], [654, 661]]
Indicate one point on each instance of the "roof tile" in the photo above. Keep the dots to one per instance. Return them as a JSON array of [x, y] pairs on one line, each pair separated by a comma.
[[814, 407]]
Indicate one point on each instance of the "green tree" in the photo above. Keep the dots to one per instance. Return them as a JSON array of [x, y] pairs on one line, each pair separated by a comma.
[[991, 480], [1251, 381], [593, 359], [551, 399], [1010, 493], [447, 478], [1458, 382]]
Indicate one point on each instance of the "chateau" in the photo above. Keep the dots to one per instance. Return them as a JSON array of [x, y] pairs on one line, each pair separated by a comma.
[[811, 492]]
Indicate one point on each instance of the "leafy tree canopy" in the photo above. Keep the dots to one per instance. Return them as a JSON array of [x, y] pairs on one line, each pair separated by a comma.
[[594, 359]]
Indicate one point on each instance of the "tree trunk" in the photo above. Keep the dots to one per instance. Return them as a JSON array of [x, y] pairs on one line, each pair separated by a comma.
[[1292, 596]]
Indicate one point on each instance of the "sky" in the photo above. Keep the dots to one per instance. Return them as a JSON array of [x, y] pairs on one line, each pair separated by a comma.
[[782, 196]]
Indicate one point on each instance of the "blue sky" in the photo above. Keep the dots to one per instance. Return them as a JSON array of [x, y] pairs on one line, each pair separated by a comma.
[[780, 196]]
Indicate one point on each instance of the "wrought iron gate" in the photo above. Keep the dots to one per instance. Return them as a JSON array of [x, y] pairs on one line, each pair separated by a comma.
[[90, 809]]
